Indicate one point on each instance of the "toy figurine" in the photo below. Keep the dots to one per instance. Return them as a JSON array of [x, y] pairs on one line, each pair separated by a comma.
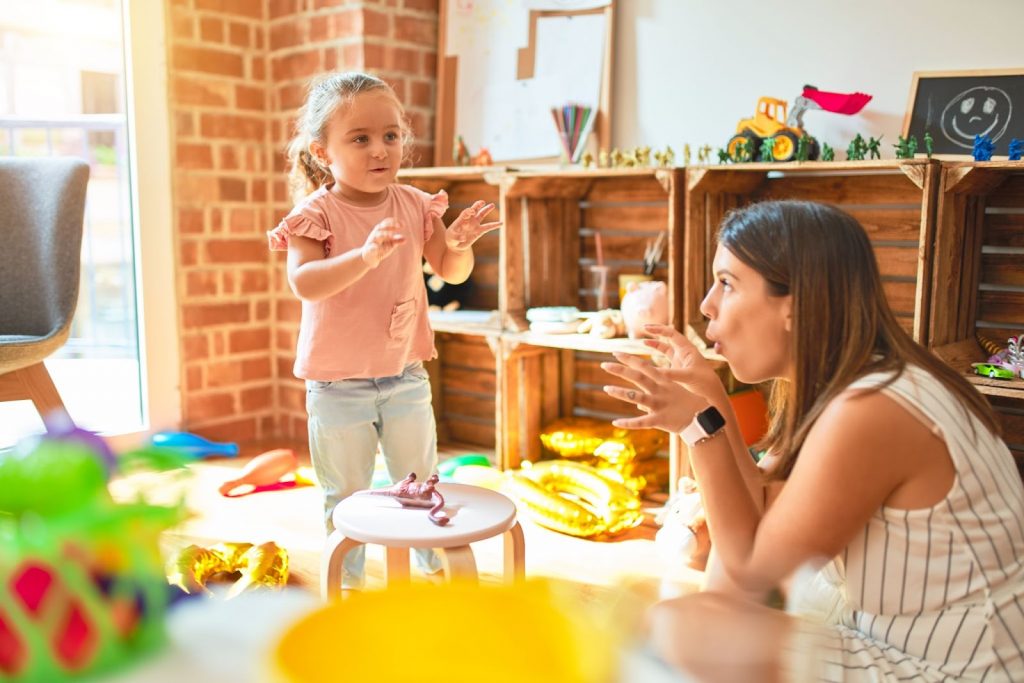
[[723, 156], [873, 147], [411, 494], [902, 148], [482, 158], [827, 153], [983, 148], [670, 156], [629, 159], [929, 142], [460, 155], [767, 148], [587, 160], [912, 147], [1015, 149], [803, 147], [856, 149], [643, 156], [603, 159], [686, 154]]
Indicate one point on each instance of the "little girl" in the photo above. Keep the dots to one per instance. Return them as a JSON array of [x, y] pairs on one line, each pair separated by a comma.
[[356, 241]]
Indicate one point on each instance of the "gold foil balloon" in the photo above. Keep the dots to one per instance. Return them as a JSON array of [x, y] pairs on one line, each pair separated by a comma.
[[263, 565]]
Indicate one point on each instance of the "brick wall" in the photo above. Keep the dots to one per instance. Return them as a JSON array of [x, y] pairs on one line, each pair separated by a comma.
[[237, 73]]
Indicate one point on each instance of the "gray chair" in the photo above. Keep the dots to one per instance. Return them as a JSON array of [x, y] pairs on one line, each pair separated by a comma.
[[42, 207]]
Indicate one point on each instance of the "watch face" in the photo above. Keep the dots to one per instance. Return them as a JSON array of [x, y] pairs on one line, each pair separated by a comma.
[[710, 420]]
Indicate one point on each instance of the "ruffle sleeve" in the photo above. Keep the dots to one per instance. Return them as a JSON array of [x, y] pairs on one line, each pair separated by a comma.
[[303, 226], [437, 204]]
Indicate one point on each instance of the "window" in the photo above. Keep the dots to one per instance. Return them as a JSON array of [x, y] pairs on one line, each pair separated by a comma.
[[66, 89]]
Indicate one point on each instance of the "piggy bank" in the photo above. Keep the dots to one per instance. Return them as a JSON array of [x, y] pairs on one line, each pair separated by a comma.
[[644, 302]]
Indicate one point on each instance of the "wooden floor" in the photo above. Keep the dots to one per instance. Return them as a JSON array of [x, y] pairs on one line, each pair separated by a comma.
[[293, 518]]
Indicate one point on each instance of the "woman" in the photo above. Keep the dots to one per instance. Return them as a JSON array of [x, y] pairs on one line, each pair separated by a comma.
[[891, 467]]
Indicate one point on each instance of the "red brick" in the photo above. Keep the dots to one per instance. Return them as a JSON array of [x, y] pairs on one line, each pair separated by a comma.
[[257, 399], [402, 59], [206, 60], [421, 94], [284, 339], [200, 283], [194, 156], [219, 345], [228, 280], [428, 66], [256, 369], [415, 30], [190, 221], [262, 311], [352, 56], [232, 127], [255, 281], [228, 158], [242, 8], [293, 398], [239, 34], [223, 373], [287, 34], [195, 347], [281, 8], [184, 124], [236, 250], [324, 4], [192, 91], [234, 431], [232, 189], [336, 26], [183, 24], [242, 341], [295, 65], [189, 253], [421, 5], [211, 30], [247, 97], [259, 68], [206, 406], [259, 190], [376, 24], [193, 378], [373, 56], [205, 315]]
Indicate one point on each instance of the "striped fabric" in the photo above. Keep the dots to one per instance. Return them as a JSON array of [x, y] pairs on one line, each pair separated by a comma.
[[936, 594]]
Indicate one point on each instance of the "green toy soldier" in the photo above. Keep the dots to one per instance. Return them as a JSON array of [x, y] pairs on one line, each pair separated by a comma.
[[768, 149], [827, 153], [723, 156], [928, 141], [911, 147], [856, 149], [803, 148], [902, 147], [873, 147]]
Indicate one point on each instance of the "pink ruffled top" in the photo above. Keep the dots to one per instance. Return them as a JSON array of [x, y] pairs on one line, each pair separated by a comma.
[[379, 324]]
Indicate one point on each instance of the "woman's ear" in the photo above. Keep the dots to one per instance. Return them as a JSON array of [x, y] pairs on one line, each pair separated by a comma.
[[787, 312]]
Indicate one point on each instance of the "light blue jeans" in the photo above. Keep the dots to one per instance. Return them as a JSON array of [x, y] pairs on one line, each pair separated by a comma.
[[348, 419]]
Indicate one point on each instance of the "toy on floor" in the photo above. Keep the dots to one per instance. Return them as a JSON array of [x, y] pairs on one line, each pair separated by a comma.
[[193, 444], [263, 471], [771, 122], [81, 586], [446, 469], [261, 566], [411, 493]]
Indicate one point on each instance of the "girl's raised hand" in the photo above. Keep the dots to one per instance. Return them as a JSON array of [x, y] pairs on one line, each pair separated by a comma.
[[381, 242], [467, 228], [669, 395]]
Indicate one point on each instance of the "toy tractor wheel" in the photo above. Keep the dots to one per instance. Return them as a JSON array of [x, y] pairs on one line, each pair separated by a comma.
[[785, 146], [737, 143]]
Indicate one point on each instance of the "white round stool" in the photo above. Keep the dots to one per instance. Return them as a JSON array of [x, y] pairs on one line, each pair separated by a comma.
[[476, 513]]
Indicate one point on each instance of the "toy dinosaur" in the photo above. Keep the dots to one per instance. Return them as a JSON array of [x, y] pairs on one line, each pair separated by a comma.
[[410, 493]]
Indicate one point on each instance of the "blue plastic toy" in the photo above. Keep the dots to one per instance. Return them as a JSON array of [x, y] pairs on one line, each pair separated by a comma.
[[983, 148], [194, 445], [1016, 147]]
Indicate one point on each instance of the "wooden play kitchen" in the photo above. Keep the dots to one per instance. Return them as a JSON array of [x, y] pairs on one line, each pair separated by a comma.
[[949, 238]]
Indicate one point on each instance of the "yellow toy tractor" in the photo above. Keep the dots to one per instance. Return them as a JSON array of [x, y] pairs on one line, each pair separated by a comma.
[[771, 122]]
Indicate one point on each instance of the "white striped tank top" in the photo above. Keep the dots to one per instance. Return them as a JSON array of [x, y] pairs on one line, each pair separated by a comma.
[[937, 593]]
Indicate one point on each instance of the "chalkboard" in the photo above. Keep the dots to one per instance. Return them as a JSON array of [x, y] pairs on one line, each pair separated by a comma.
[[954, 106]]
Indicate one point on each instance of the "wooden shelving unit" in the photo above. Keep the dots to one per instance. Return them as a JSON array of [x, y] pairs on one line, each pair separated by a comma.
[[979, 277]]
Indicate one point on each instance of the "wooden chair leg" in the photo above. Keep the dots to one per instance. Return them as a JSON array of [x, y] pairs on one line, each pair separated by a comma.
[[397, 565], [40, 389], [459, 563], [336, 548], [515, 554]]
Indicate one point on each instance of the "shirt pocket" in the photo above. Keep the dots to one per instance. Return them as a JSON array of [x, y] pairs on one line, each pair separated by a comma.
[[403, 317]]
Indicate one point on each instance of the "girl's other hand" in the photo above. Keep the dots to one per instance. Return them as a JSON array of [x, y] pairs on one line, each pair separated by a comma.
[[381, 242], [467, 228]]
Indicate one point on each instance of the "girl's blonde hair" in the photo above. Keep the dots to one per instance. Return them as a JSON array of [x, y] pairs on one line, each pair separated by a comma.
[[325, 95]]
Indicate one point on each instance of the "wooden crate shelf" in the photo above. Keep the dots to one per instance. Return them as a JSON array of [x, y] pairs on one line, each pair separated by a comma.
[[464, 380], [894, 200], [979, 276]]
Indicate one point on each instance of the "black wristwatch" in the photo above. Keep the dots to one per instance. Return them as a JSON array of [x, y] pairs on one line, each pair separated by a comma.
[[706, 424]]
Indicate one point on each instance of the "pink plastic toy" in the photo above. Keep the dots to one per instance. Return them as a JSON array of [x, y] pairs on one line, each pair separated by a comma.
[[644, 302]]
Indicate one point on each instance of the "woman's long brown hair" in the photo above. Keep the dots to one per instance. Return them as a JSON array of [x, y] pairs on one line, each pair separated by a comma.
[[843, 327]]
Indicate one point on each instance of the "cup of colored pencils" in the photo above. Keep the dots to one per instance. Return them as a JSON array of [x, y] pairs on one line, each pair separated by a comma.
[[574, 122]]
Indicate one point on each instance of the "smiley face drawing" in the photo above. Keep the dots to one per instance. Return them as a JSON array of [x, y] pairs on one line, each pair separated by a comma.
[[982, 110]]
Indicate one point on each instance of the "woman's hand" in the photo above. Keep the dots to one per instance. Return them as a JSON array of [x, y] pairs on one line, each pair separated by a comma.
[[467, 228], [669, 395], [381, 242]]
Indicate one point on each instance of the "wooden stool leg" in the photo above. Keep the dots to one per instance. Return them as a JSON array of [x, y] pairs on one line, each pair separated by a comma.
[[41, 390], [330, 564], [458, 563], [515, 554], [397, 565]]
